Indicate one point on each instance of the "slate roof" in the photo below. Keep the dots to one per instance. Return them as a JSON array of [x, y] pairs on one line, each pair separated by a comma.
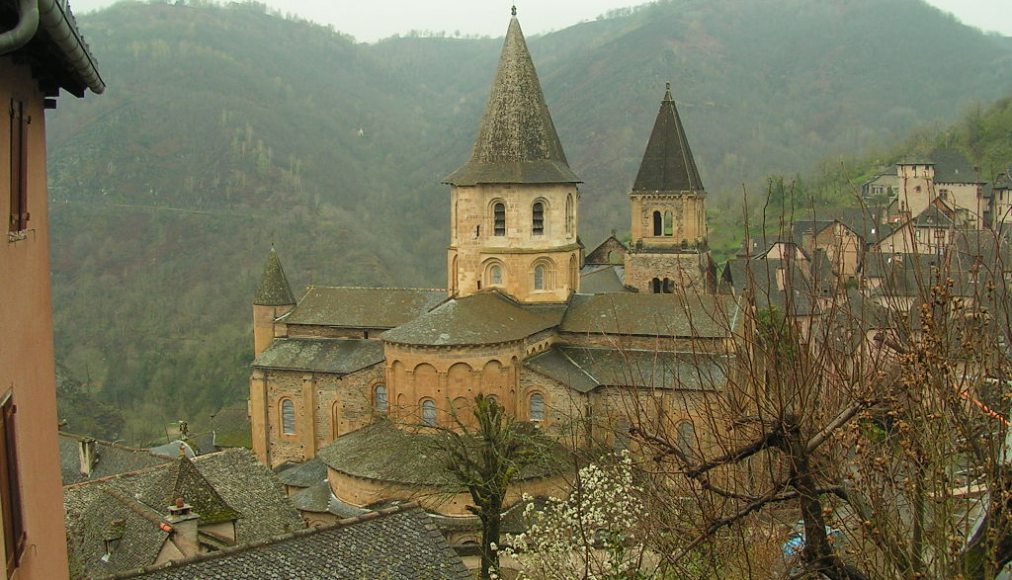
[[602, 280], [363, 307], [933, 217], [585, 369], [220, 486], [1003, 180], [112, 458], [273, 289], [674, 315], [484, 318], [757, 277], [667, 163], [305, 474], [517, 142], [315, 498], [381, 451], [322, 355], [398, 543], [952, 166], [860, 220]]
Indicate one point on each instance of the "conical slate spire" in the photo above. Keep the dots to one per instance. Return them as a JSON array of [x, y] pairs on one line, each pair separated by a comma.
[[517, 142], [667, 163], [273, 289]]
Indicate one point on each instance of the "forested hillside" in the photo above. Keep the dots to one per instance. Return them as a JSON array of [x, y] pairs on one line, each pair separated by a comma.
[[225, 129]]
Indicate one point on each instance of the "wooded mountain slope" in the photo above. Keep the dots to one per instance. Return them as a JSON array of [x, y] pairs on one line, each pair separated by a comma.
[[225, 129]]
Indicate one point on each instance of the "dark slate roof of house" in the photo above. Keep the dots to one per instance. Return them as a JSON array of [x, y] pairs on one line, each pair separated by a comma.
[[933, 217], [1003, 180], [383, 452], [398, 543], [860, 220], [221, 486], [758, 278], [363, 307], [585, 369], [305, 474], [698, 316], [484, 318], [667, 163], [315, 498], [112, 458], [951, 166], [273, 289], [517, 142], [602, 280], [322, 355]]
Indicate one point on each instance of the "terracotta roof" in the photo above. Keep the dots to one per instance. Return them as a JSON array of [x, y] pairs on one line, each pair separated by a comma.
[[223, 486], [322, 355], [484, 318], [672, 315], [363, 307], [273, 289], [585, 369], [397, 543], [111, 458], [667, 163], [517, 142]]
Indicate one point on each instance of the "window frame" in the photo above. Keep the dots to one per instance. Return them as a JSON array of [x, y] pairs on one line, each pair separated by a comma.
[[376, 407], [532, 415], [283, 419], [498, 218], [538, 211], [425, 406]]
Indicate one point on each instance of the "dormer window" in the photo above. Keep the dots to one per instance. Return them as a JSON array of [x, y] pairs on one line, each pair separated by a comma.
[[538, 218]]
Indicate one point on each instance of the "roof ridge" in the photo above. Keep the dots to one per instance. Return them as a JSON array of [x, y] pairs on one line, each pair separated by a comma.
[[133, 504], [115, 476], [105, 442], [382, 513]]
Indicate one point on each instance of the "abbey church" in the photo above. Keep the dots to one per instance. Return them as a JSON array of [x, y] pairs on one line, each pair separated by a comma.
[[556, 334]]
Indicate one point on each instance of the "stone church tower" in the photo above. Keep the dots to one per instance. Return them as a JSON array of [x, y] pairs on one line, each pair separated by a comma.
[[668, 247], [514, 203]]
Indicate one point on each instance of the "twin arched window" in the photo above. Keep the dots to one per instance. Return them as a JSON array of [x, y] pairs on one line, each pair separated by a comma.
[[287, 417], [380, 403], [429, 412], [536, 407], [664, 226], [665, 286]]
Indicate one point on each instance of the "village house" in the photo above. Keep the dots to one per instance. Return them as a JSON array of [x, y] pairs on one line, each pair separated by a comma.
[[41, 52], [345, 380]]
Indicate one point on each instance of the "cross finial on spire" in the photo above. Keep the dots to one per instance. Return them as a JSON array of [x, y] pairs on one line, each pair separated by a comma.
[[513, 11], [667, 86]]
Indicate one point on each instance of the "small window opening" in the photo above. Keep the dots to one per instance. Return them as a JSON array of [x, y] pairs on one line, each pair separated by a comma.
[[429, 412], [657, 223], [496, 275], [536, 410], [379, 399], [499, 217], [655, 286], [288, 417], [539, 277], [538, 218], [669, 224]]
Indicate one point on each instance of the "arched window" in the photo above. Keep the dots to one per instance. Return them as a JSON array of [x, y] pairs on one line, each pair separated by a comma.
[[668, 286], [570, 215], [499, 219], [539, 277], [573, 273], [536, 407], [379, 399], [287, 417], [669, 221], [429, 412], [687, 439], [538, 218], [655, 286], [495, 275], [657, 223]]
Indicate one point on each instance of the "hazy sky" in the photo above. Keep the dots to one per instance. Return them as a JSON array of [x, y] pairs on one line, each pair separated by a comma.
[[370, 20]]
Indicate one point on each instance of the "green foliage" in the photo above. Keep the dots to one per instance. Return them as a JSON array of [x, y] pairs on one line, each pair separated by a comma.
[[226, 128]]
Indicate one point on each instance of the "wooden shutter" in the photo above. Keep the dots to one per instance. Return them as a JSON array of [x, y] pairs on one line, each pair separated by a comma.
[[19, 166], [10, 493]]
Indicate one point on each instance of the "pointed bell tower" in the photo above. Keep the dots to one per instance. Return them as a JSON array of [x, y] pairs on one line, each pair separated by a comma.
[[513, 219], [273, 299], [668, 205]]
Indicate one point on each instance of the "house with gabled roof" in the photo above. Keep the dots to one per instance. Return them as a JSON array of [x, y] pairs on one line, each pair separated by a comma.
[[173, 511], [351, 380]]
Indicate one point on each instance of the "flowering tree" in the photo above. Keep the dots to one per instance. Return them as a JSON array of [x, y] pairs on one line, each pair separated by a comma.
[[590, 534]]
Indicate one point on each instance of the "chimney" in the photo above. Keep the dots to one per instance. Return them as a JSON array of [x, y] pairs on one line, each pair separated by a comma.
[[88, 455], [183, 522]]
